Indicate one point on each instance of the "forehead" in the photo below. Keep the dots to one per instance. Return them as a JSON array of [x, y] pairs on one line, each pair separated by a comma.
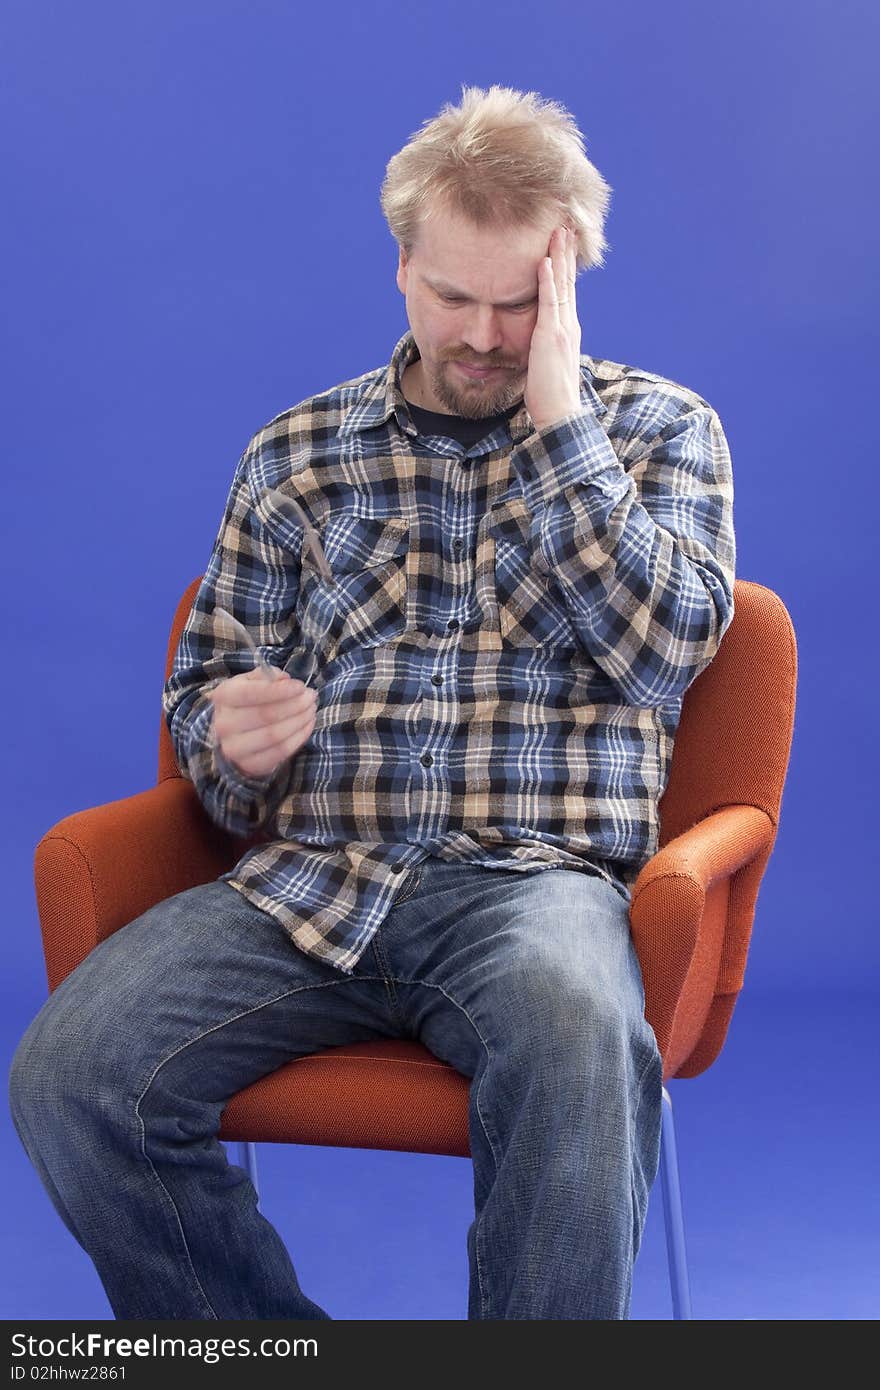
[[449, 246]]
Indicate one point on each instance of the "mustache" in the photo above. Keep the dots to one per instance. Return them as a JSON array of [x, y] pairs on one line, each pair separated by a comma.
[[483, 366]]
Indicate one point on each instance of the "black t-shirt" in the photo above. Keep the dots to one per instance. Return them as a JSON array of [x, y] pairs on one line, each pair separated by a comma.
[[463, 430]]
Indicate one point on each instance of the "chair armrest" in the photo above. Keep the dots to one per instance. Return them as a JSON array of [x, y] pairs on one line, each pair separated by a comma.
[[690, 923], [99, 869]]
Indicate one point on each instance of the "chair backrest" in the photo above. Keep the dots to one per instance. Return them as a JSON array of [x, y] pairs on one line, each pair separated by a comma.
[[733, 740], [734, 737]]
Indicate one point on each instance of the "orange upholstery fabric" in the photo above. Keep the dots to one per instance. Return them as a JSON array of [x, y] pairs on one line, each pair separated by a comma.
[[691, 915]]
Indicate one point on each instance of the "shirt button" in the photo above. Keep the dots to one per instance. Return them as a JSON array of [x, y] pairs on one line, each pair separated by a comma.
[[397, 868], [457, 545], [436, 680], [426, 760], [453, 624]]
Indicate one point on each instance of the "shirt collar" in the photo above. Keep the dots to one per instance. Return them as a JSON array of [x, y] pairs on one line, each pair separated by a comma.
[[384, 397]]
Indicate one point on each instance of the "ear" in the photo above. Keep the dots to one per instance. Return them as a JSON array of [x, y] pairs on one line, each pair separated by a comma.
[[402, 270]]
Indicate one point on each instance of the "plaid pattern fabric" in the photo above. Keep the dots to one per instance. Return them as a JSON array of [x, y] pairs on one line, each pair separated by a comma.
[[505, 651]]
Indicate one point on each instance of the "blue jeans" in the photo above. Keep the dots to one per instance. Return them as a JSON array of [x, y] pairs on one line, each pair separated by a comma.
[[528, 984]]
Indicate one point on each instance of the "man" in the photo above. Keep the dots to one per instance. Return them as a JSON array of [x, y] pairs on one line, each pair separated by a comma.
[[508, 560]]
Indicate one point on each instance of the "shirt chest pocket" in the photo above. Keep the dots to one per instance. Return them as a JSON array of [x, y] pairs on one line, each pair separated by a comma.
[[528, 605], [366, 606]]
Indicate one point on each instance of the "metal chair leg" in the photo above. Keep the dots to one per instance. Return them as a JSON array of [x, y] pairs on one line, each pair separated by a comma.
[[675, 1249], [247, 1157]]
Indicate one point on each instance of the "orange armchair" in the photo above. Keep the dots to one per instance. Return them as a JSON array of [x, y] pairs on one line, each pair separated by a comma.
[[691, 912]]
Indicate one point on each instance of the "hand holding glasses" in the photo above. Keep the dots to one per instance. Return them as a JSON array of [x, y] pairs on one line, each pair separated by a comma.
[[262, 727], [303, 662], [257, 723]]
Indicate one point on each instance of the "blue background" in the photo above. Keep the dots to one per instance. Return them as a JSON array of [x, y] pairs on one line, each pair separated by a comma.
[[192, 242]]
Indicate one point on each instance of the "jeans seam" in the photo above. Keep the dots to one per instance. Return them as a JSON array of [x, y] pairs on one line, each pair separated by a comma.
[[406, 895], [376, 943], [486, 1048], [328, 984], [651, 1062], [385, 976]]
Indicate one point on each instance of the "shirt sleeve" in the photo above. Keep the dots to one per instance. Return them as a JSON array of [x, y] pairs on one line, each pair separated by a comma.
[[255, 578], [645, 555]]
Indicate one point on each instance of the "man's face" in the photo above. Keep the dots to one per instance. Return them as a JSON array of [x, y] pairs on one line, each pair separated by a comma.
[[471, 297]]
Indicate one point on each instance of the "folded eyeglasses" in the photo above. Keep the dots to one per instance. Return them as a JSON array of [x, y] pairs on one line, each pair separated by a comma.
[[303, 662]]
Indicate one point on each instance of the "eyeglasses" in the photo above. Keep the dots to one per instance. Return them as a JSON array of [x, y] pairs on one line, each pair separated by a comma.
[[239, 632], [303, 662]]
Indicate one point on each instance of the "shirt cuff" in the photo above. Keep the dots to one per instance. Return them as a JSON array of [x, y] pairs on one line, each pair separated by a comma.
[[232, 778], [235, 780], [573, 450]]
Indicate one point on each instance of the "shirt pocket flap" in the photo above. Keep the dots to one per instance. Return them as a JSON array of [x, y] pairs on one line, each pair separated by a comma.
[[351, 543], [510, 521]]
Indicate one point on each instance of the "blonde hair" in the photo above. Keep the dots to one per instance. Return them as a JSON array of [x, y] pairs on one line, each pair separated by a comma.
[[502, 159]]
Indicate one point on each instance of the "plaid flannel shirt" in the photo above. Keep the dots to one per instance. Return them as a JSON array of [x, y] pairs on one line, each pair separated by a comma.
[[511, 632]]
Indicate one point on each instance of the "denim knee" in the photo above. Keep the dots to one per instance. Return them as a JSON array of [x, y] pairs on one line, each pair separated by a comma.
[[56, 1063], [30, 1073], [560, 1015]]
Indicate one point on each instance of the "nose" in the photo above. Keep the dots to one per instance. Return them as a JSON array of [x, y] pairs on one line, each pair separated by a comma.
[[483, 334]]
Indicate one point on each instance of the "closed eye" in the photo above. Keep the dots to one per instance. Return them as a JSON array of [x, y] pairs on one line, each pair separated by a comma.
[[455, 299]]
